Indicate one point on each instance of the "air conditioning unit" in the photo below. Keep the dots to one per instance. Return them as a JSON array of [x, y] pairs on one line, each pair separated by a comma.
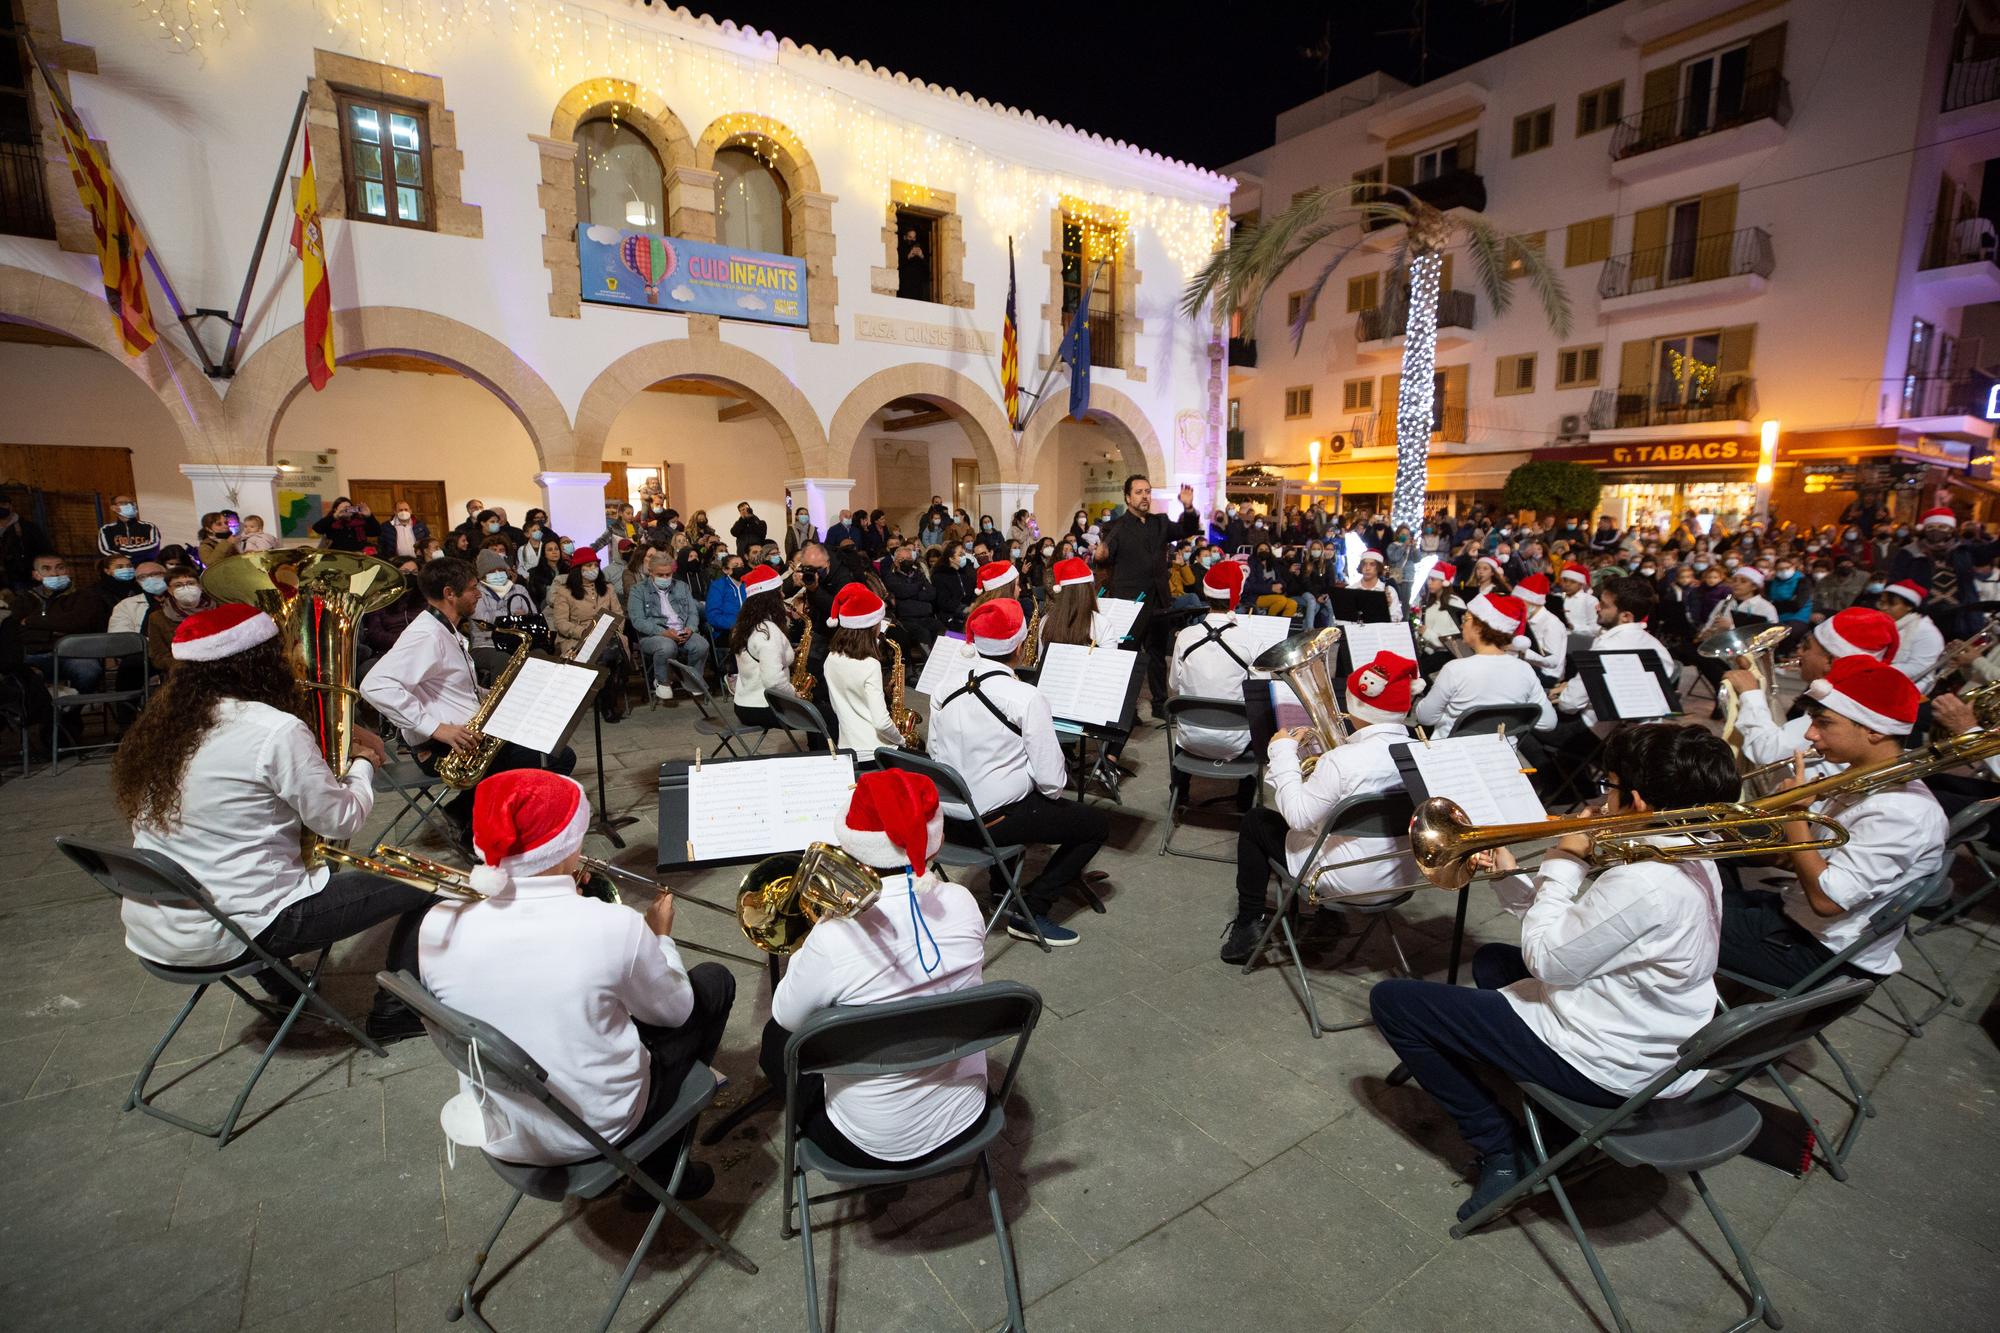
[[1570, 427]]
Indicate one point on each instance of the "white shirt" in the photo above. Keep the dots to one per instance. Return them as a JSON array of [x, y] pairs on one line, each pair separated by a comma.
[[424, 681], [860, 703], [1580, 610], [1766, 740], [1919, 649], [129, 615], [1205, 670], [1549, 646], [255, 778], [1623, 973], [402, 537], [1629, 637], [764, 664], [1473, 682], [563, 976], [871, 959], [1749, 606], [1363, 765], [1894, 836], [1441, 622], [999, 767]]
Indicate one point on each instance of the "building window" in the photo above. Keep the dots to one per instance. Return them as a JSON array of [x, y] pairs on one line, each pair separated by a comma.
[[1535, 240], [1364, 292], [24, 200], [1357, 396], [1298, 403], [618, 178], [1236, 414], [1576, 367], [388, 162], [1367, 178], [1297, 303], [1587, 242], [1534, 131], [1600, 108], [916, 255], [1712, 88], [1079, 266], [1435, 162], [1687, 368], [1514, 374], [750, 211]]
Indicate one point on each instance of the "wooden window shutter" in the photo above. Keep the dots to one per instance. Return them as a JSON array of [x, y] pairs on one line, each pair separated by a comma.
[[1716, 220], [1662, 89], [1468, 152], [1503, 374], [1444, 275], [1767, 52], [1734, 348], [1649, 242], [1402, 169], [1635, 366], [1385, 410], [1457, 380]]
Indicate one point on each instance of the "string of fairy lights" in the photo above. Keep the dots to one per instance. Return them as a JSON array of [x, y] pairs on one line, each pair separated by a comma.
[[1418, 391]]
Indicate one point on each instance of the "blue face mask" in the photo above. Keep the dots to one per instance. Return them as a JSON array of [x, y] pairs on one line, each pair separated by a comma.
[[153, 585], [662, 580], [125, 575], [55, 582], [128, 511], [569, 548], [497, 579], [492, 528]]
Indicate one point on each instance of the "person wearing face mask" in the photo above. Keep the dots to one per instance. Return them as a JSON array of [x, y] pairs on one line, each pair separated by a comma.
[[662, 612], [347, 526], [953, 585], [149, 583], [1790, 591], [405, 533], [50, 609], [724, 599], [218, 541], [913, 604], [128, 534], [118, 581], [499, 595], [184, 598]]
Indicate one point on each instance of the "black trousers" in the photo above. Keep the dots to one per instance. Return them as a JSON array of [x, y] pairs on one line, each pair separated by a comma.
[[817, 1125], [351, 902], [1260, 839], [1076, 829], [511, 756], [674, 1051], [1153, 633], [1759, 940]]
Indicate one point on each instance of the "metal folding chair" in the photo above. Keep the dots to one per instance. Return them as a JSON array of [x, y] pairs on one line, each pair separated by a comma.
[[710, 723], [480, 1051], [423, 795], [799, 718], [1680, 1135], [159, 881], [96, 647], [1967, 833], [1005, 863], [863, 1041], [1380, 816], [1198, 712]]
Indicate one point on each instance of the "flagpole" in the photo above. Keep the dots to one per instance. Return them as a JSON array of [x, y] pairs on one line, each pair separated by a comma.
[[57, 96], [263, 241], [1082, 312]]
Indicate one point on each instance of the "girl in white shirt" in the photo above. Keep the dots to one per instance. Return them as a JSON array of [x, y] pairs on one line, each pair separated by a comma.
[[854, 672], [757, 641], [1493, 625]]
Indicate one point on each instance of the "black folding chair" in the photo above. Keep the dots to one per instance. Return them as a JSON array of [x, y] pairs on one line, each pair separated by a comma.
[[157, 880], [93, 647], [1680, 1135], [1967, 833], [424, 795], [1004, 862], [710, 723], [864, 1041], [1220, 714], [799, 718], [483, 1053]]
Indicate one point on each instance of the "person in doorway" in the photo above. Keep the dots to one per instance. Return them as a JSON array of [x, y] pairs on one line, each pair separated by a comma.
[[127, 534]]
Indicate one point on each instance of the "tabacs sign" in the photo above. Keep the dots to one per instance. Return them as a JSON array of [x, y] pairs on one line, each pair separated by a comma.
[[650, 272], [1728, 452]]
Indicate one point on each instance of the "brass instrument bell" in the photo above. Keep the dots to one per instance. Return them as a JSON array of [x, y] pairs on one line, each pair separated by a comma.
[[1305, 662], [784, 896]]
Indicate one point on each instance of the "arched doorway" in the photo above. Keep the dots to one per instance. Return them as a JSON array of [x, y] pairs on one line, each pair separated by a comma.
[[912, 432], [1085, 462]]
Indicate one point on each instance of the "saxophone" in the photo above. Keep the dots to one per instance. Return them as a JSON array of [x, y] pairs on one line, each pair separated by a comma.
[[461, 770], [1030, 652], [803, 681], [904, 718]]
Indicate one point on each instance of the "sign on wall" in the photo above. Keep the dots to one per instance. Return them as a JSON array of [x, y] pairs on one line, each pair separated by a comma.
[[307, 484], [637, 268], [1674, 453]]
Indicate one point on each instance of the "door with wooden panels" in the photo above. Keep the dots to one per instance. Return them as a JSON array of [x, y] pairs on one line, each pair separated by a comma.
[[619, 489], [66, 490], [425, 499]]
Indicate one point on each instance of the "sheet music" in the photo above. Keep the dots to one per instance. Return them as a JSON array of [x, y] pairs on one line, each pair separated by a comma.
[[1118, 613], [1634, 689], [1261, 633], [754, 807], [1482, 774], [1286, 708], [944, 670], [1365, 641], [1085, 685], [587, 650], [536, 711]]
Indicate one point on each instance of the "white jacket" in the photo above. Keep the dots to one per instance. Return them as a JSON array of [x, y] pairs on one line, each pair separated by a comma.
[[1920, 648], [1466, 683], [765, 663], [860, 703], [1363, 765], [1631, 637], [1205, 670], [1549, 643]]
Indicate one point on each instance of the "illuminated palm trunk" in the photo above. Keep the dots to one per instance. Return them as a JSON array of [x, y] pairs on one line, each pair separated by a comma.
[[1417, 392]]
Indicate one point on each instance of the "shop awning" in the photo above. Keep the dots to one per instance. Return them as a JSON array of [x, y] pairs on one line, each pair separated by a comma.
[[1446, 473]]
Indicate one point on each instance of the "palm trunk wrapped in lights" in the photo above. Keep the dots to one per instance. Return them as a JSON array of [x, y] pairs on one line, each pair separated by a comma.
[[1416, 397]]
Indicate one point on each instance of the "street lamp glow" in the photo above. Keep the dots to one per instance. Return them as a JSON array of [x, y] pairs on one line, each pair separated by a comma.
[[1312, 452]]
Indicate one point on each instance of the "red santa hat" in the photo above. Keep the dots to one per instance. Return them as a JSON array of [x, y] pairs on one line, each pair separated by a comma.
[[893, 820], [525, 821], [1372, 554], [1939, 517], [1859, 631], [1577, 572], [1908, 590], [1498, 568], [1534, 590], [1381, 690], [224, 631], [761, 579], [997, 628], [856, 606], [1072, 573], [1223, 583], [1508, 615], [1751, 572], [997, 574], [1872, 693]]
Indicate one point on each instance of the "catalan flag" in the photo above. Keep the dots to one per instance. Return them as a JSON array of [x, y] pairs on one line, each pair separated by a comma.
[[1010, 349], [121, 247], [308, 241]]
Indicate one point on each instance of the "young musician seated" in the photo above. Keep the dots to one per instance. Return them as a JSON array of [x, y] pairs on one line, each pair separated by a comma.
[[593, 991], [1921, 645], [923, 936], [998, 733], [1579, 606], [1861, 711], [221, 773], [1613, 971], [1211, 660], [854, 672], [1438, 613], [763, 654], [1746, 607], [1548, 646], [1858, 631], [424, 684], [1378, 698], [996, 579], [1371, 580], [1624, 605], [1072, 615], [1495, 627]]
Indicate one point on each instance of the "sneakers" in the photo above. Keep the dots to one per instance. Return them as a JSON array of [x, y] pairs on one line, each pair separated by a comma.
[[1240, 940], [1498, 1173], [663, 692], [1057, 936]]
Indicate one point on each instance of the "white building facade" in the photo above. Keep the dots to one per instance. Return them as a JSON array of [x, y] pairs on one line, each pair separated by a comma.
[[1762, 212], [465, 154]]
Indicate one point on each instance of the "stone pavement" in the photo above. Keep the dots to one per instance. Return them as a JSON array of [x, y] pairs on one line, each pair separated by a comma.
[[1181, 1154]]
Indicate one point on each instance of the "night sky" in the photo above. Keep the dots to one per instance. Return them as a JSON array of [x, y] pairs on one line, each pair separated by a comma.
[[1198, 82]]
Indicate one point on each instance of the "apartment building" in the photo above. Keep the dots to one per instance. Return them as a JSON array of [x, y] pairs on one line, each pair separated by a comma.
[[1767, 216]]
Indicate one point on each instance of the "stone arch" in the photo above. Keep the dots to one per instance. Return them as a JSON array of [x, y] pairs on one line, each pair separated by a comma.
[[275, 373], [1108, 404], [788, 153], [652, 117], [797, 425], [809, 210], [35, 299], [970, 407]]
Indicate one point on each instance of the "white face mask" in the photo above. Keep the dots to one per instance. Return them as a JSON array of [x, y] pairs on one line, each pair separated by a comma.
[[188, 594], [497, 579]]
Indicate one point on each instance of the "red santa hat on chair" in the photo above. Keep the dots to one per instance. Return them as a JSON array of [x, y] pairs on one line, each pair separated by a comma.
[[1534, 590], [997, 628], [856, 606], [1072, 573], [1939, 517], [893, 820], [1507, 614], [1224, 583], [1381, 691], [524, 822], [1859, 631], [996, 574], [761, 579], [1909, 590], [207, 636], [1872, 693]]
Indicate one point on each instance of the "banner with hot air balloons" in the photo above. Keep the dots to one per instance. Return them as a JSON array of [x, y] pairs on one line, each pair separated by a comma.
[[637, 268]]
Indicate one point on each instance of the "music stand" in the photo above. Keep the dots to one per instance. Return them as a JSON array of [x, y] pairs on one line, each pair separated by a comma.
[[1363, 606], [604, 822]]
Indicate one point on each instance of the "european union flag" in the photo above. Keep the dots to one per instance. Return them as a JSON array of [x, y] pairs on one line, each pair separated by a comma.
[[1076, 353]]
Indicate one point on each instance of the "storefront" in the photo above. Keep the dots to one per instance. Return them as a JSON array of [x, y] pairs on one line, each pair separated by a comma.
[[1651, 484], [1454, 482], [1823, 474]]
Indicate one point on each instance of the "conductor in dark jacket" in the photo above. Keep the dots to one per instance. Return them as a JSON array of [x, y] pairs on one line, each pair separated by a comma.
[[748, 529], [1133, 554]]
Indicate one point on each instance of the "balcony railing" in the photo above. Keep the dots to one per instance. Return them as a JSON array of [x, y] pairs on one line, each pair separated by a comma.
[[1242, 351], [1725, 398], [1377, 430], [1964, 242], [1697, 259], [1942, 396], [1456, 310], [1971, 82], [24, 204], [1464, 188], [1763, 97]]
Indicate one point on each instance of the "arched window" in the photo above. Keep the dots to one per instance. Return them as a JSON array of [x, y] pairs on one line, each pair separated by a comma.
[[749, 203], [618, 178]]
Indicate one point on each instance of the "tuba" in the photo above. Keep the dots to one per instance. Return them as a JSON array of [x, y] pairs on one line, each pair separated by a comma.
[[1305, 662], [785, 896], [1746, 650]]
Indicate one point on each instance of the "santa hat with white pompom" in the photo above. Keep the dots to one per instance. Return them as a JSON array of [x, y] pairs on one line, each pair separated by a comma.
[[525, 822]]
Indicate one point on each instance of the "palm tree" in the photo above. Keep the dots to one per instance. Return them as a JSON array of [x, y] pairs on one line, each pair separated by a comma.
[[1255, 258]]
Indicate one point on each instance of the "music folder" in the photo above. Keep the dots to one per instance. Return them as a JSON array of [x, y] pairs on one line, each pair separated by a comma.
[[1481, 774], [1361, 605], [1093, 687], [543, 703], [1626, 685], [739, 810]]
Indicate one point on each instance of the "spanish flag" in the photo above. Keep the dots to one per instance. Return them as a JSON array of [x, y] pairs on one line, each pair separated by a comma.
[[121, 246], [309, 242]]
